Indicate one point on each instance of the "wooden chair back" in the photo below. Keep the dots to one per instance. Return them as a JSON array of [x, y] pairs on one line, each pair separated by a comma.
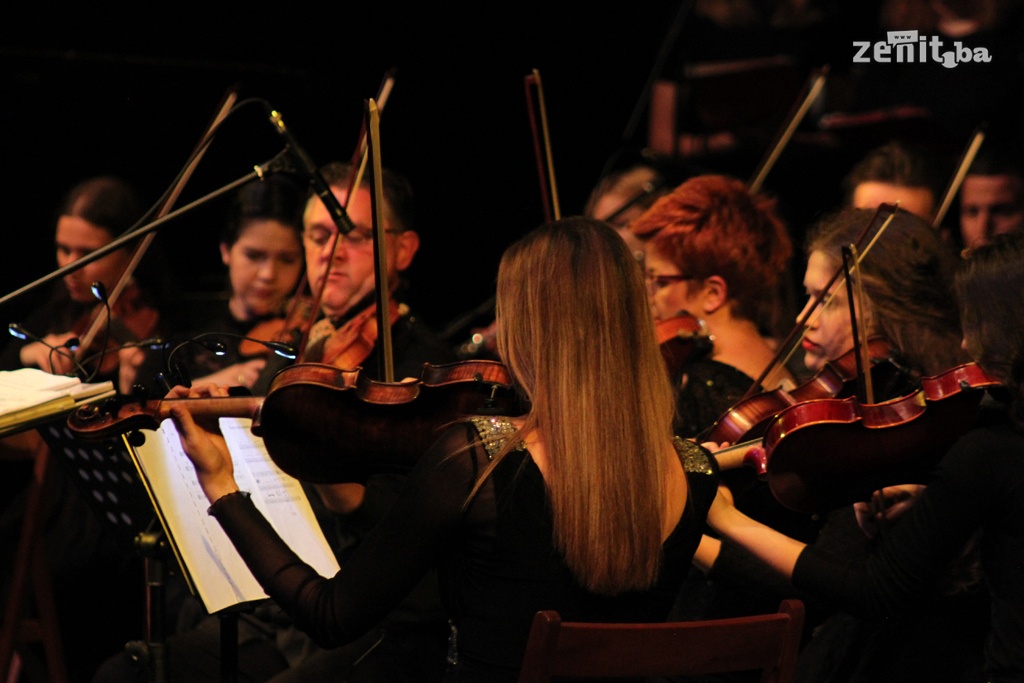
[[578, 650]]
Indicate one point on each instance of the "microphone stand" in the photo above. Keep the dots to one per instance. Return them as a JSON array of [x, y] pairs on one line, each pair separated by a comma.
[[277, 164]]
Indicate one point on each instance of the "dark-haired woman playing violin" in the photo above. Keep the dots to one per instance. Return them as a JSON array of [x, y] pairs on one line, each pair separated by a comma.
[[977, 492], [92, 215], [906, 280], [261, 246], [83, 551]]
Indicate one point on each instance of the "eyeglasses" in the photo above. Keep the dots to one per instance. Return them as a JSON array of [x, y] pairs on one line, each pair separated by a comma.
[[355, 239], [657, 282]]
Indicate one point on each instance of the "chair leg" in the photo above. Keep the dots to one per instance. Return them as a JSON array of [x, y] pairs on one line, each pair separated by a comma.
[[30, 572]]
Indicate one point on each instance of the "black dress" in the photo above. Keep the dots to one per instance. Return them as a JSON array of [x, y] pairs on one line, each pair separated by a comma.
[[496, 562]]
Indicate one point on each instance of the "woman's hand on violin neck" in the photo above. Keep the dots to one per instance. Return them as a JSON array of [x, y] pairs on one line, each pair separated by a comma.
[[203, 443]]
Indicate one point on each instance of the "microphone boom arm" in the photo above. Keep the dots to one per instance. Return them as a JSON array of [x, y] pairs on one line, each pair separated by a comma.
[[273, 165]]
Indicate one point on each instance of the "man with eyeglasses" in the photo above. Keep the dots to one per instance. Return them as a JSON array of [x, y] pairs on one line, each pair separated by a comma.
[[417, 628], [350, 279]]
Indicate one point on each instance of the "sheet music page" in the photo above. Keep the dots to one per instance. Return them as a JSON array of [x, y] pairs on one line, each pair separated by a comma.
[[221, 577], [28, 395], [34, 379]]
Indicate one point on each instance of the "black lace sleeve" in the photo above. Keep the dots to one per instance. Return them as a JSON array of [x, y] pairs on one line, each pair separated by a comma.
[[415, 532]]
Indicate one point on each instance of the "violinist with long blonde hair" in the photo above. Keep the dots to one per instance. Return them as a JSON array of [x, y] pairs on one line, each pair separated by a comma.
[[586, 504]]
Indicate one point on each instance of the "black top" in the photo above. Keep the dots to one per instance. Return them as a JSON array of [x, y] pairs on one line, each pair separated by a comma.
[[978, 486], [496, 561]]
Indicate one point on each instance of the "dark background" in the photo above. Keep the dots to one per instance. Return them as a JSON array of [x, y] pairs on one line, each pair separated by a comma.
[[87, 92], [86, 95]]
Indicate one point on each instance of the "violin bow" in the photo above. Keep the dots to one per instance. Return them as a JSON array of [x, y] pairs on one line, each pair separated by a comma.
[[855, 296], [100, 320], [883, 213], [380, 247], [813, 87], [552, 211], [359, 158], [964, 165], [357, 166]]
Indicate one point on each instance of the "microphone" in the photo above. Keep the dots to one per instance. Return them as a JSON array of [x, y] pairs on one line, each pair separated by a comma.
[[99, 291], [176, 371], [320, 186]]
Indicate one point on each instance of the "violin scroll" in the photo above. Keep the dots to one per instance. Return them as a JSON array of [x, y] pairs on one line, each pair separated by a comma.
[[325, 425]]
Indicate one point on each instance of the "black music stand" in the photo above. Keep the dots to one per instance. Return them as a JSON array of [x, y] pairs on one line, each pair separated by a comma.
[[108, 475]]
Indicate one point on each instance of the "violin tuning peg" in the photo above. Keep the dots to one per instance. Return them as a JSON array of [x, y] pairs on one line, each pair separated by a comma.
[[136, 438]]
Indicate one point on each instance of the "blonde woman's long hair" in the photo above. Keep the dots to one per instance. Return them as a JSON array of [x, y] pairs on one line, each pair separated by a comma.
[[575, 331]]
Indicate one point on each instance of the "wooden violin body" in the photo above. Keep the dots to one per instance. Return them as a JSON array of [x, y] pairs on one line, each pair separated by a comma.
[[287, 329], [325, 425], [828, 453], [682, 338], [749, 418]]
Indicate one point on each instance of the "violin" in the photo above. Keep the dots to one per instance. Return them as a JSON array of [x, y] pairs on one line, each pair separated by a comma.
[[828, 453], [352, 343], [325, 425], [750, 417], [286, 329], [682, 338]]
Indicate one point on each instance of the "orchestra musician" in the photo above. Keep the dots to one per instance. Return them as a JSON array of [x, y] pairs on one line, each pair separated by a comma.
[[505, 507], [261, 246], [895, 172], [716, 252], [80, 550], [92, 215], [906, 279], [975, 492], [349, 287], [622, 196], [991, 199]]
